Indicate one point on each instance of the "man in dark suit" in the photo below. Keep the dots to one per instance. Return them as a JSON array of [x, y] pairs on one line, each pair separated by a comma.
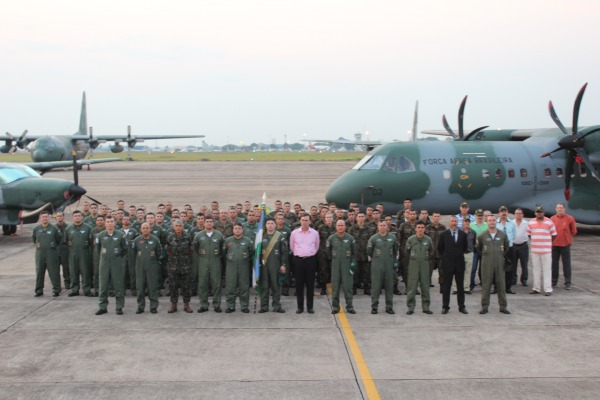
[[452, 247]]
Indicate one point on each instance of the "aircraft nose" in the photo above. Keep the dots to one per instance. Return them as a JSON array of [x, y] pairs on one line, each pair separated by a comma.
[[39, 155], [76, 191]]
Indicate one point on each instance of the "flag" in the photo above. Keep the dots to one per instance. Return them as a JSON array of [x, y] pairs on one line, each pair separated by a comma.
[[258, 244]]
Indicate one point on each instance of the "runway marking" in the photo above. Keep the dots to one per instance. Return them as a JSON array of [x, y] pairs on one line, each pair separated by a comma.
[[361, 364]]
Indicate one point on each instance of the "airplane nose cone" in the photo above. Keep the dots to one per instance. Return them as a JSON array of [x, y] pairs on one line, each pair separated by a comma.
[[39, 155], [76, 191]]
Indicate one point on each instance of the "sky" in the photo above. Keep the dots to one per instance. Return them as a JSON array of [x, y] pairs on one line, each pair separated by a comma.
[[265, 70]]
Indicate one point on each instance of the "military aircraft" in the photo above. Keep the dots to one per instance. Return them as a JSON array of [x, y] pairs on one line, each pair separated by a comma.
[[24, 194], [59, 148], [487, 168], [366, 145]]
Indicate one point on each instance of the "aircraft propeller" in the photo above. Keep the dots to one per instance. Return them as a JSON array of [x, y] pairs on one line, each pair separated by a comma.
[[461, 132], [131, 142], [573, 142], [75, 191], [20, 142]]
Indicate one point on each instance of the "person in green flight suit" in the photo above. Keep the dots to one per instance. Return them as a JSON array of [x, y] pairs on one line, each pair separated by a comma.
[[63, 250], [493, 244], [207, 244], [78, 237], [342, 248], [237, 251], [110, 245], [47, 239], [273, 266], [382, 250], [419, 249], [147, 251]]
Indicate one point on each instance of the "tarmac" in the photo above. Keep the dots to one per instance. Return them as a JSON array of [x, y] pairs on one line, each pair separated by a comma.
[[56, 348]]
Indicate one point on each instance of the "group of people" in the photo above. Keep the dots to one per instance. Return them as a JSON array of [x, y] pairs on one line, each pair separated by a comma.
[[104, 252]]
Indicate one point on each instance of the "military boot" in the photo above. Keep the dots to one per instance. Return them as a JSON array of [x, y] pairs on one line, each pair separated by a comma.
[[173, 308], [186, 308], [368, 290]]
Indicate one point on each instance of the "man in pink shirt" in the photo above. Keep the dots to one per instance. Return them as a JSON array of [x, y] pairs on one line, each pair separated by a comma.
[[542, 232], [304, 243], [561, 247]]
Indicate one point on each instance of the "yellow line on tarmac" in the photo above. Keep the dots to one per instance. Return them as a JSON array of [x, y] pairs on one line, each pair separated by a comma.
[[363, 369]]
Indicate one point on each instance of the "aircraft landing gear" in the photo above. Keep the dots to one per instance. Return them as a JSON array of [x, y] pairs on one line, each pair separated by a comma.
[[8, 230]]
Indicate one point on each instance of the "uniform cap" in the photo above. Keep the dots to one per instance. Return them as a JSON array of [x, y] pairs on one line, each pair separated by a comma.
[[503, 208], [464, 204], [479, 211], [539, 208]]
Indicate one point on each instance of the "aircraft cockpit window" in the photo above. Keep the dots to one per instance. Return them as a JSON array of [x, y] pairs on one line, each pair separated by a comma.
[[375, 162], [362, 162], [398, 164], [559, 172], [14, 173]]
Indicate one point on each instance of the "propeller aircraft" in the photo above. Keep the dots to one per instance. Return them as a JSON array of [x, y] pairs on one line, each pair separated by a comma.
[[489, 168], [59, 147], [24, 194]]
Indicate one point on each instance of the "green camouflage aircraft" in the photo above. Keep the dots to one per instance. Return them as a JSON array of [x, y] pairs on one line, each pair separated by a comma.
[[59, 148], [24, 194], [487, 168]]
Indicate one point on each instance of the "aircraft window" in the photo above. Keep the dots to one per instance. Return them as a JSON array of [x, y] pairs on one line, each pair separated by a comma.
[[547, 172], [398, 164], [13, 173], [582, 171], [362, 161], [374, 163], [447, 174], [511, 173], [559, 172], [498, 173], [523, 173], [485, 173]]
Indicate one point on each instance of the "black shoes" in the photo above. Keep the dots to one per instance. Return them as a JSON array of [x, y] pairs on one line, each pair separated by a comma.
[[100, 312], [410, 312], [229, 310], [153, 310], [428, 312], [55, 294], [73, 294], [119, 311], [218, 310], [311, 311], [280, 311], [262, 311], [202, 309], [245, 310], [139, 311], [299, 311], [350, 310], [323, 291], [505, 311], [510, 291], [335, 311], [368, 291], [483, 311], [374, 311], [463, 310], [390, 311], [444, 311], [88, 294]]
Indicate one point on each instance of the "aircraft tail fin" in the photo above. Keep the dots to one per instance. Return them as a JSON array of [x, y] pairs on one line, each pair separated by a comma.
[[83, 128], [413, 134]]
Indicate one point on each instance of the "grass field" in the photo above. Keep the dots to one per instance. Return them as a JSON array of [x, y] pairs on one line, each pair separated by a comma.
[[221, 156]]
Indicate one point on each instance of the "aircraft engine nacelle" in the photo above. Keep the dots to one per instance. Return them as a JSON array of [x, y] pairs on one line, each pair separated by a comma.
[[5, 148], [116, 148]]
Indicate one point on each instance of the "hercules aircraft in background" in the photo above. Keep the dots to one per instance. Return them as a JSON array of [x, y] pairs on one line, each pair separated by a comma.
[[24, 194], [367, 145], [59, 148], [487, 168]]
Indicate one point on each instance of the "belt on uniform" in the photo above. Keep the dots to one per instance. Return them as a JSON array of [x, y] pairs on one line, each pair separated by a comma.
[[519, 244], [304, 258]]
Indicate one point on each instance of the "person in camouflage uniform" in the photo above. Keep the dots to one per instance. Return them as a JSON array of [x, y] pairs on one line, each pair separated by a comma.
[[361, 233], [147, 251], [47, 239], [237, 251], [342, 251], [434, 230], [110, 246], [273, 266], [323, 261], [78, 237], [129, 260], [179, 252]]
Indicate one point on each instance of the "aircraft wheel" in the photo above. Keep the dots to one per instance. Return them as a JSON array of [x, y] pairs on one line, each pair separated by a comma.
[[8, 230]]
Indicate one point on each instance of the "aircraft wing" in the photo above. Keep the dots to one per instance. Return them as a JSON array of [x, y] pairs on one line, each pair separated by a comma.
[[345, 141], [124, 138], [49, 165]]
